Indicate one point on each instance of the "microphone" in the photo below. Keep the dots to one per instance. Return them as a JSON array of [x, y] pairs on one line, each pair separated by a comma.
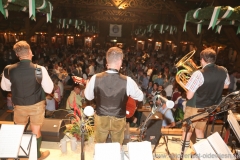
[[169, 103], [88, 111]]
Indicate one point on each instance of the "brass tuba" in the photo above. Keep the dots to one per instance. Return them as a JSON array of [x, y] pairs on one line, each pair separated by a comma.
[[187, 67]]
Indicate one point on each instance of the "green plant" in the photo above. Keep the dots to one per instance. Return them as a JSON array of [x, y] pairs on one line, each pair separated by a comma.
[[74, 128]]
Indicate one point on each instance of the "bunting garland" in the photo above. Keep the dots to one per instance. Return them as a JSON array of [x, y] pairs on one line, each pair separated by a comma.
[[31, 6], [49, 15], [213, 17], [32, 13], [2, 9], [159, 27]]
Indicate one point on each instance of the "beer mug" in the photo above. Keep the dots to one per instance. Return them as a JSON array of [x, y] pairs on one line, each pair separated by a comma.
[[63, 145], [73, 143]]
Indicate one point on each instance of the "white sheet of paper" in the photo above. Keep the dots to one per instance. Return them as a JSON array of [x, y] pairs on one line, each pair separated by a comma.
[[140, 150], [24, 144], [10, 139], [32, 149], [234, 124], [204, 150], [107, 151], [220, 147]]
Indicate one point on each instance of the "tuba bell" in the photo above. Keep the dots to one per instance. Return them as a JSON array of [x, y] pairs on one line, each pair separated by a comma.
[[185, 67]]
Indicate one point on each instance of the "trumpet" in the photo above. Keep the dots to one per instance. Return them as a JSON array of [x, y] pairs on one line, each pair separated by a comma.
[[187, 67]]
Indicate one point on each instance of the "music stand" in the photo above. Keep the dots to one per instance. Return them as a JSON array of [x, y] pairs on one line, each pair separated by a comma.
[[26, 151]]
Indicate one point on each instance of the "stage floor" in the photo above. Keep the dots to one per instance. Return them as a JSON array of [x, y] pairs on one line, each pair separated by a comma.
[[160, 153]]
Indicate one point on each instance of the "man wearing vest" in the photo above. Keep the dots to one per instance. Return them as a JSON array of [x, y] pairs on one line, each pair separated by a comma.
[[28, 94], [111, 89], [205, 86]]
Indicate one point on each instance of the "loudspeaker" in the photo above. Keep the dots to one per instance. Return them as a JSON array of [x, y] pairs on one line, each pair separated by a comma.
[[51, 130], [153, 131]]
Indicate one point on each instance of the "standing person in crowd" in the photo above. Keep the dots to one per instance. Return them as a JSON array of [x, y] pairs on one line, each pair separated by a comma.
[[168, 119], [207, 85], [111, 90], [27, 93]]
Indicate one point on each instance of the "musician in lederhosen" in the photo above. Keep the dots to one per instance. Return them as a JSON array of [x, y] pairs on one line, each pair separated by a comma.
[[206, 86], [28, 93], [111, 89]]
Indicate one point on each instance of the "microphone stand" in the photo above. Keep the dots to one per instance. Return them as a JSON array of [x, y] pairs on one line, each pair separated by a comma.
[[82, 131], [143, 126], [188, 123]]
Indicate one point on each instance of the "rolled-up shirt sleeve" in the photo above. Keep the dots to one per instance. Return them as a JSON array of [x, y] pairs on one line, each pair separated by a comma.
[[227, 80], [88, 92], [5, 83], [133, 90], [46, 83], [195, 81]]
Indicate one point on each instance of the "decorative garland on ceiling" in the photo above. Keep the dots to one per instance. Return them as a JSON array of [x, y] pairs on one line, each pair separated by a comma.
[[214, 17], [30, 6], [78, 24], [162, 28]]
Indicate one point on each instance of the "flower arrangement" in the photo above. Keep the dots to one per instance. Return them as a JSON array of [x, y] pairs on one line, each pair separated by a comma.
[[75, 129]]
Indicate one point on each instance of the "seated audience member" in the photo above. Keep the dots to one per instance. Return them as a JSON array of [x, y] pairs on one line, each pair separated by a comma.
[[74, 101], [168, 119], [56, 94], [176, 93], [179, 108]]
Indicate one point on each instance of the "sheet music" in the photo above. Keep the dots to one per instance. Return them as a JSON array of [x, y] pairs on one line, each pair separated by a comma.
[[107, 151], [220, 147], [234, 124], [204, 150], [140, 150], [10, 138]]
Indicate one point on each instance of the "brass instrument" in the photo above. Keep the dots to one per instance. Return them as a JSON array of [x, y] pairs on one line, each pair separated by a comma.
[[188, 67]]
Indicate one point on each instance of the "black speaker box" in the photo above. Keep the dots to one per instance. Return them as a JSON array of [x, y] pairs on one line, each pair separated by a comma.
[[154, 125], [51, 130]]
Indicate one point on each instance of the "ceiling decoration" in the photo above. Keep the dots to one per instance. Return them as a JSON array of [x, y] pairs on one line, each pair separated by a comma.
[[123, 4], [214, 17], [118, 11], [150, 29], [116, 16], [30, 6]]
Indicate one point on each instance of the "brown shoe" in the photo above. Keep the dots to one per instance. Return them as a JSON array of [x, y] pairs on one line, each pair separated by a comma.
[[44, 155]]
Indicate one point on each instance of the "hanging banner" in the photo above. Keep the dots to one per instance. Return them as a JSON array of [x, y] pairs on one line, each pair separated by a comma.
[[115, 30]]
